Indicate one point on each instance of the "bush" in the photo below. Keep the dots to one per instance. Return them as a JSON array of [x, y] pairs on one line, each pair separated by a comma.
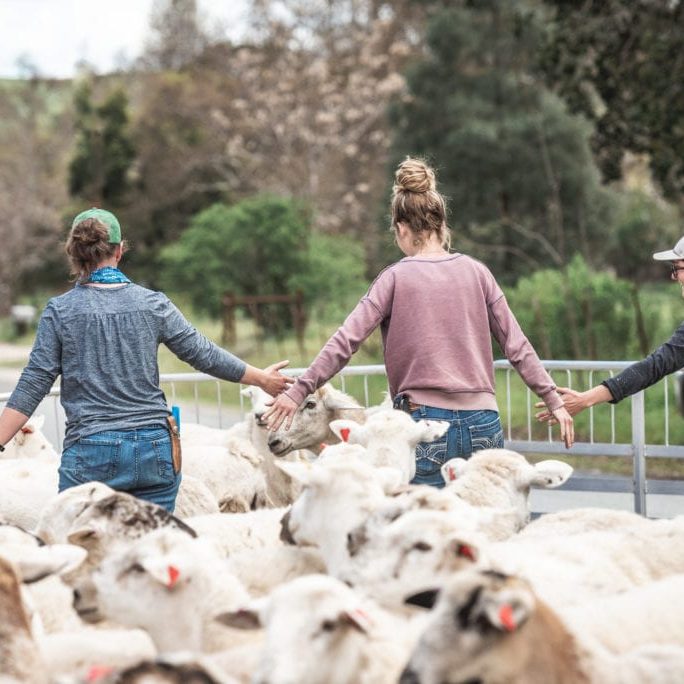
[[577, 313], [261, 246]]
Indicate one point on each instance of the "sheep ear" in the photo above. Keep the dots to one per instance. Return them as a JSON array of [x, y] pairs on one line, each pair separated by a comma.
[[247, 617], [348, 430], [37, 562], [424, 599], [304, 472], [334, 399], [358, 619], [430, 430], [507, 610], [461, 549], [453, 469], [551, 473], [84, 534]]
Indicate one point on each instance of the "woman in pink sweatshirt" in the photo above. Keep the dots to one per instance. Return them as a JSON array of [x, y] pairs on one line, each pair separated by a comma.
[[437, 311]]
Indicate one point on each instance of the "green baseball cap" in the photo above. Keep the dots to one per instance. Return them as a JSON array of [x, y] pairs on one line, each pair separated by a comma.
[[105, 217]]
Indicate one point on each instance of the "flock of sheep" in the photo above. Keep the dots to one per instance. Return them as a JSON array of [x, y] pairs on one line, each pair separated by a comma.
[[305, 557]]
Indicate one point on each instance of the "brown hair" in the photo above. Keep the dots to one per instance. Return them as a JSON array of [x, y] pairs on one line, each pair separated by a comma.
[[88, 246], [416, 202]]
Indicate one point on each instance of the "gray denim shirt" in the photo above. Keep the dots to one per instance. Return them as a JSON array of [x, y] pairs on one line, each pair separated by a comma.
[[668, 358], [104, 343]]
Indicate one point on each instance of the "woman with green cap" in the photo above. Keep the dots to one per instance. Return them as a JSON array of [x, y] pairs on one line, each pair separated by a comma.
[[102, 337]]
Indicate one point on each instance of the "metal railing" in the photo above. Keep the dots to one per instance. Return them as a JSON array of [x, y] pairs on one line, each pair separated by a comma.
[[221, 413]]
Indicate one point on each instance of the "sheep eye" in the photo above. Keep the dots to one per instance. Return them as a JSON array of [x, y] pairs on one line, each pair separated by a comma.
[[310, 405], [329, 625], [422, 546], [136, 567]]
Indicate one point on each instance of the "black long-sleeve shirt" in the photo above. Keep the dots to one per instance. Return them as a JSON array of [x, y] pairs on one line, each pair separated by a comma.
[[668, 358]]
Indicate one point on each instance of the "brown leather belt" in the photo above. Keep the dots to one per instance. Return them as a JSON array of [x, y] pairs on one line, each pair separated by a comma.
[[412, 406]]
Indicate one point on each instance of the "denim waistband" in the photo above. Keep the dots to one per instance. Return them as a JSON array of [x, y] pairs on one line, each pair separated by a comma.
[[465, 416], [141, 434]]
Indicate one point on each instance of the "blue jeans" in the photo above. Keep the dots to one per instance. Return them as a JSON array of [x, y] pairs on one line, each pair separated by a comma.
[[133, 461], [469, 431]]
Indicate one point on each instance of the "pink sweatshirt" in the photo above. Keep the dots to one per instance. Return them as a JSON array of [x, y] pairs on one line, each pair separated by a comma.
[[437, 317]]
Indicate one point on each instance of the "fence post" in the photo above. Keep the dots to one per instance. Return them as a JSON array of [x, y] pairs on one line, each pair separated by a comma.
[[228, 336], [638, 452]]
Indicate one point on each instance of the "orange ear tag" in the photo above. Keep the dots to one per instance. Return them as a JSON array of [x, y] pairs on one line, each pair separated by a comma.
[[97, 672], [344, 433], [465, 551], [174, 574], [506, 617]]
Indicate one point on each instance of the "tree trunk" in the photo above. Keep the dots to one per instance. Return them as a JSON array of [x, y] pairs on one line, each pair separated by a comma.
[[642, 335]]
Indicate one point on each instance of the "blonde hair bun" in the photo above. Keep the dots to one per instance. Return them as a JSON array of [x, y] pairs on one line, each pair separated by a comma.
[[414, 175]]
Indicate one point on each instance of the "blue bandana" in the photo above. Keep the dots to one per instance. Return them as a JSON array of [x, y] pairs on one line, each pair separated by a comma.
[[108, 275]]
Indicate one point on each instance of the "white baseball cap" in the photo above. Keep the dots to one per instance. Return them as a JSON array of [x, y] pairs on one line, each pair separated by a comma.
[[674, 254]]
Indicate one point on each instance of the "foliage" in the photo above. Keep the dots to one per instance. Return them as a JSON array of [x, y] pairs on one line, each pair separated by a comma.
[[552, 306], [98, 172], [620, 63], [260, 246], [515, 166]]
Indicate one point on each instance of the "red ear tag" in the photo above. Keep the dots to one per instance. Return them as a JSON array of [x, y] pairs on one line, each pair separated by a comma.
[[174, 574], [97, 672], [323, 445], [506, 617], [344, 433], [27, 430], [451, 472], [465, 551]]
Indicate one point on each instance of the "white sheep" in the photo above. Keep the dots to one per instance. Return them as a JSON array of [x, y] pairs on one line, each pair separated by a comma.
[[311, 423], [25, 485], [239, 531], [390, 436], [194, 498], [502, 478], [232, 473], [338, 493], [30, 442], [320, 630], [20, 659], [493, 628], [171, 585]]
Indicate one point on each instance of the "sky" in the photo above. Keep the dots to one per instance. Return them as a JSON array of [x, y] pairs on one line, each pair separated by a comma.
[[54, 35]]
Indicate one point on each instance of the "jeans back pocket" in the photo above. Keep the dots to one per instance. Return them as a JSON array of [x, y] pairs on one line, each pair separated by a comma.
[[487, 435], [97, 458]]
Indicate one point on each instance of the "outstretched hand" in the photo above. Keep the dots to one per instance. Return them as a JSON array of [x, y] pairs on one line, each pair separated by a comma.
[[573, 401], [567, 428], [282, 408], [273, 381]]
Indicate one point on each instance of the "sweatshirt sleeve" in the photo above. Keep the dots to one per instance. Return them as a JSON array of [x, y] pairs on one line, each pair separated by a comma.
[[668, 358], [45, 364], [373, 308], [191, 346], [519, 351]]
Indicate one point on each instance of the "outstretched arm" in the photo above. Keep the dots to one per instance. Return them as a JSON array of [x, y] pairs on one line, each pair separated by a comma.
[[575, 402], [11, 421]]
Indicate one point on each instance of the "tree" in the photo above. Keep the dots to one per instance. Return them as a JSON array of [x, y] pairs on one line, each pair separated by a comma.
[[99, 168], [260, 246], [517, 169], [32, 192], [621, 64]]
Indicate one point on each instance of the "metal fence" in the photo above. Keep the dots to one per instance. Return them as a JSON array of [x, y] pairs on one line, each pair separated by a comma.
[[217, 403]]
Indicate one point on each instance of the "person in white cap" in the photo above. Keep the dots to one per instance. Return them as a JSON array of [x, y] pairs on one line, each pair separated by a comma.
[[666, 359]]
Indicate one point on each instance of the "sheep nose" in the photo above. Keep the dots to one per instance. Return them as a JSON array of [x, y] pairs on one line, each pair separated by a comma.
[[259, 417], [76, 597], [409, 676], [274, 443]]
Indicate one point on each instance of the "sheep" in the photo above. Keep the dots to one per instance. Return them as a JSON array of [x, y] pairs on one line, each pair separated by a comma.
[[390, 436], [493, 628], [502, 478], [20, 658], [171, 585], [240, 531], [26, 485], [232, 474], [168, 671], [320, 630], [311, 423], [30, 442], [194, 498], [103, 525], [262, 569]]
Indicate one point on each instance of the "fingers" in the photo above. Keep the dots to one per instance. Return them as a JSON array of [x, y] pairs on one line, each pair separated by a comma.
[[280, 364]]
